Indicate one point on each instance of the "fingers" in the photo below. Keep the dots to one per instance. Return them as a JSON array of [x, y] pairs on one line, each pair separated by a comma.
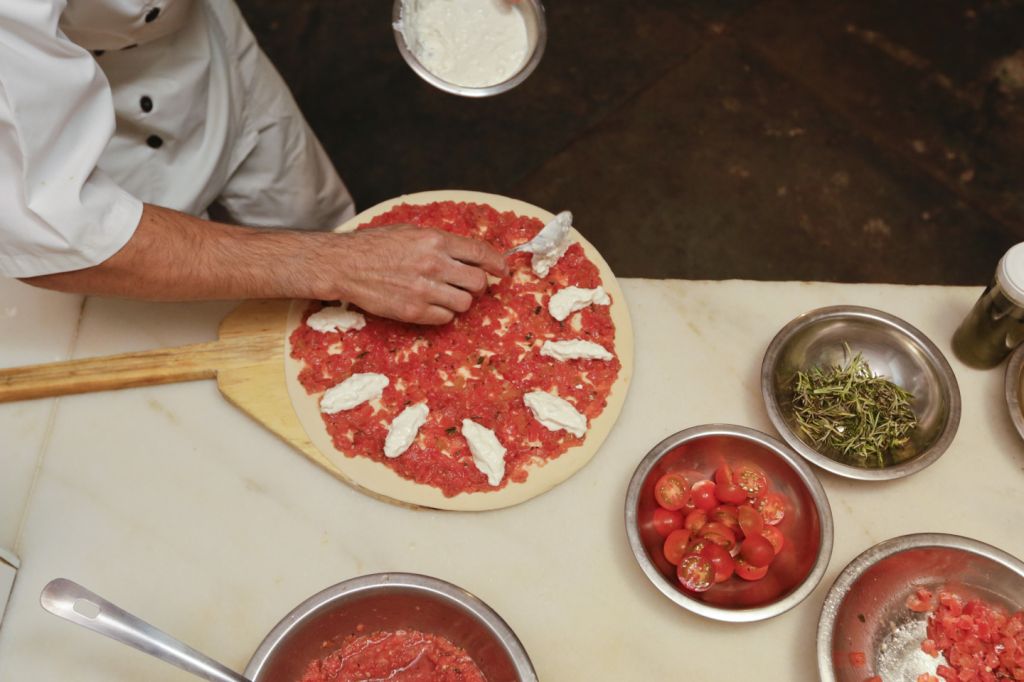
[[467, 277], [476, 252], [434, 315]]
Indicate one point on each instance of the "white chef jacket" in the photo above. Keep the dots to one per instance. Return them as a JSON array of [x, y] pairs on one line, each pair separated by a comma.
[[106, 104]]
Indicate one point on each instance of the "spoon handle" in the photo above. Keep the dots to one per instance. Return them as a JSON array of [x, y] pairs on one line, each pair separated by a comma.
[[74, 603]]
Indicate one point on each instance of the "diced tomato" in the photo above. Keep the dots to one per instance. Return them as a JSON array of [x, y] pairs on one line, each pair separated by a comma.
[[873, 678], [751, 521], [748, 571], [773, 508], [731, 493], [696, 573], [695, 520], [920, 601], [927, 677], [671, 491], [774, 536], [928, 646], [858, 659], [752, 480], [720, 560], [676, 545], [757, 551], [665, 521], [703, 494]]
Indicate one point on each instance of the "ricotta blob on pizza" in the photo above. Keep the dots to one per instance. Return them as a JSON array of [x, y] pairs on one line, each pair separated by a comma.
[[472, 405]]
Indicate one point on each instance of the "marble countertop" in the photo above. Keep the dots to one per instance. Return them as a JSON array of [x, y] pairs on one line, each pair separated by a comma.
[[174, 505]]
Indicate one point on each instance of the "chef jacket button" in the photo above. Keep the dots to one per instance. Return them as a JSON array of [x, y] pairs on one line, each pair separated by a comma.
[[146, 104], [154, 141], [152, 14]]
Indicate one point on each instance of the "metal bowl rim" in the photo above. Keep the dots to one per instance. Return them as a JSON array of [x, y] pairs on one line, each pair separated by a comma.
[[883, 550], [947, 382], [803, 471], [1011, 388], [465, 91], [464, 600]]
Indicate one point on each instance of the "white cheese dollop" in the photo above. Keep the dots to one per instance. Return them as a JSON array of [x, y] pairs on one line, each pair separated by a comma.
[[335, 318], [404, 428], [488, 452], [352, 392], [555, 413], [553, 242], [570, 299], [573, 350]]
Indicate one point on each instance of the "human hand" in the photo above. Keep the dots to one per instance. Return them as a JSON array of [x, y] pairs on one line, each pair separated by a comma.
[[407, 273]]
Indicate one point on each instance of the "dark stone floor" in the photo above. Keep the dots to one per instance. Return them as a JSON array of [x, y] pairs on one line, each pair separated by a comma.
[[849, 140]]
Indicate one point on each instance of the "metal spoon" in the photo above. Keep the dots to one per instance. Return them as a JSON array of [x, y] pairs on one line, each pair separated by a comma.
[[72, 602], [549, 238]]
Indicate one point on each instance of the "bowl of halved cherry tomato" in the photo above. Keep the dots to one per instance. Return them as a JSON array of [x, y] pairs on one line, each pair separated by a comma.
[[729, 523]]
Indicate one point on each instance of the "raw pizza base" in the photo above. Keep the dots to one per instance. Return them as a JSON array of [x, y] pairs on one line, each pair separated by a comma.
[[377, 478]]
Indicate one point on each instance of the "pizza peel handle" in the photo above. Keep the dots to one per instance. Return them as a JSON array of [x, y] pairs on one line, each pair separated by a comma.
[[236, 348]]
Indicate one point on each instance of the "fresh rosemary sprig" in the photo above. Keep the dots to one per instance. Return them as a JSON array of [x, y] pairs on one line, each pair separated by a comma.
[[858, 416]]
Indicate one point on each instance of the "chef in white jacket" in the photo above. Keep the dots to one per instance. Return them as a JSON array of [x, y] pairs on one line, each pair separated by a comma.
[[123, 121]]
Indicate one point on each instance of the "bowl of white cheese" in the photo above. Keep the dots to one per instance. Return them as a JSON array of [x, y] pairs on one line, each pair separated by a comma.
[[473, 48]]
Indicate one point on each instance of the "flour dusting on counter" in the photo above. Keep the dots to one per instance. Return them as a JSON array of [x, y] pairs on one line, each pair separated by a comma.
[[472, 43]]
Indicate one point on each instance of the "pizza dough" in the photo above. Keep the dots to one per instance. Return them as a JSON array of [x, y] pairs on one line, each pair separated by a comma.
[[381, 481]]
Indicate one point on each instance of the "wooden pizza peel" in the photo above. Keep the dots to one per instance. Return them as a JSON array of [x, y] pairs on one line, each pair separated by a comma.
[[250, 362]]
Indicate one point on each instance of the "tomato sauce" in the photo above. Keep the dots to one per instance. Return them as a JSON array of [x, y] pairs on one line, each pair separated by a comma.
[[399, 656], [476, 367]]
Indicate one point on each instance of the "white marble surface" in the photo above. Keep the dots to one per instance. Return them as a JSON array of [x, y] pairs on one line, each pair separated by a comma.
[[174, 505], [35, 326]]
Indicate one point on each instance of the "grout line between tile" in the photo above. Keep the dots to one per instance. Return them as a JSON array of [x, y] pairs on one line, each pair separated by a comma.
[[44, 445]]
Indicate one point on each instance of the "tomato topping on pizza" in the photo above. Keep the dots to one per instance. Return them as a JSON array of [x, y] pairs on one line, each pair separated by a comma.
[[479, 367]]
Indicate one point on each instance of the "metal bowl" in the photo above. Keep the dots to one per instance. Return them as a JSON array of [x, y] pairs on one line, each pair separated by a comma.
[[536, 34], [865, 610], [1012, 389], [390, 601], [807, 525], [894, 349]]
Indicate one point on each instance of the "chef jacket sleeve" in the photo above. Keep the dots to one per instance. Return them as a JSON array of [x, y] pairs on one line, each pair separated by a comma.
[[58, 211]]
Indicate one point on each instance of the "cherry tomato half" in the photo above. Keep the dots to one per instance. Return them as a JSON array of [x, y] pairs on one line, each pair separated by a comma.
[[751, 521], [727, 515], [757, 551], [750, 572], [715, 528], [723, 475], [696, 573], [773, 508], [752, 480], [703, 494], [675, 547], [723, 564], [666, 521], [695, 520], [671, 491], [731, 493], [774, 536]]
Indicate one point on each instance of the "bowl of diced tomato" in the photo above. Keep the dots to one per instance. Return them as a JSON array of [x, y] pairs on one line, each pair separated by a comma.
[[928, 607], [729, 523]]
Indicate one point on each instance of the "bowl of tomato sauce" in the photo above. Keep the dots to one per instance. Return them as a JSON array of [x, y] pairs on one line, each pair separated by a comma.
[[391, 624], [729, 523], [928, 607]]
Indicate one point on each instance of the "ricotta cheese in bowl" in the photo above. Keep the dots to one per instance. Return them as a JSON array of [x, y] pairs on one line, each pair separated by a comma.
[[467, 43]]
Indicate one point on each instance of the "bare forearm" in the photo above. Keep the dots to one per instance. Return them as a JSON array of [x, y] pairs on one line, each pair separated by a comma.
[[175, 256], [399, 271]]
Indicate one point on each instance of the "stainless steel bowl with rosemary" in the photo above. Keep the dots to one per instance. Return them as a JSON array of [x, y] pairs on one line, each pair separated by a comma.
[[860, 393], [853, 414]]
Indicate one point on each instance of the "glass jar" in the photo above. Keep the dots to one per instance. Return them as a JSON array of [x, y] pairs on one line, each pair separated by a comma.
[[995, 325]]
